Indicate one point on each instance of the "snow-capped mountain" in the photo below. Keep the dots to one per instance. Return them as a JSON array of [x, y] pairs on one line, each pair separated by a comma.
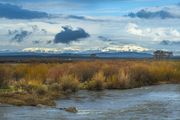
[[113, 51], [125, 48], [112, 48]]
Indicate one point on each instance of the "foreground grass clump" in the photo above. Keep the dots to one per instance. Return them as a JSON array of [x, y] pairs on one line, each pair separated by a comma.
[[140, 75], [97, 82], [119, 81], [69, 83], [33, 84]]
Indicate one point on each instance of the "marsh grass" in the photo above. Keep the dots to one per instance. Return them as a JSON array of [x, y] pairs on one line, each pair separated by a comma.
[[97, 82], [32, 84]]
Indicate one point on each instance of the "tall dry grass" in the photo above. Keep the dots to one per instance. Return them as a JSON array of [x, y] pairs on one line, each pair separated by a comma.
[[97, 82], [105, 74], [47, 81]]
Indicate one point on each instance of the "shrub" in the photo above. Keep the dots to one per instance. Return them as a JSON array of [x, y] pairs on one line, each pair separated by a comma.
[[19, 72], [5, 75], [69, 83], [176, 77], [140, 75], [97, 82], [119, 81], [163, 71], [84, 71], [55, 72], [55, 87], [41, 90], [109, 71], [37, 72]]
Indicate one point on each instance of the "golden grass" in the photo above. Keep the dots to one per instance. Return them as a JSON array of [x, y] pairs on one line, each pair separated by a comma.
[[32, 84]]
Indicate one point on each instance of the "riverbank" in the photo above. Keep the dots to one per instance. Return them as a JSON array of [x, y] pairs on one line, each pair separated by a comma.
[[41, 84]]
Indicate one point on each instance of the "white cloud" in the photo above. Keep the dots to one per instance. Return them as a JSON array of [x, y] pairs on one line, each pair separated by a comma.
[[156, 34], [134, 29]]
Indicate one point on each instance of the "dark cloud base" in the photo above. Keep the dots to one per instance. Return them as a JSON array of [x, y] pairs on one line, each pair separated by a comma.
[[104, 38], [15, 12], [168, 42], [68, 35], [19, 35], [149, 15]]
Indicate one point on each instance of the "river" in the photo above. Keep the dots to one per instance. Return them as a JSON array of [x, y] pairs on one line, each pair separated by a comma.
[[160, 102]]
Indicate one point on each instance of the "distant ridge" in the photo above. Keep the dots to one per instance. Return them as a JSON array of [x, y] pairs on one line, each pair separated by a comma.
[[96, 55]]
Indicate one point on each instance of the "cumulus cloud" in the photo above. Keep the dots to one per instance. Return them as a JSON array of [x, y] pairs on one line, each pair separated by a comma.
[[155, 34], [84, 18], [134, 29], [36, 42], [19, 35], [104, 38], [35, 28], [76, 17], [68, 35], [15, 12], [49, 42], [22, 32], [44, 31], [168, 42], [163, 12], [155, 14], [11, 32]]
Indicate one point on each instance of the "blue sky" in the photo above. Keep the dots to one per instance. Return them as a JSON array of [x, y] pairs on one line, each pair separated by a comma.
[[90, 7], [95, 25]]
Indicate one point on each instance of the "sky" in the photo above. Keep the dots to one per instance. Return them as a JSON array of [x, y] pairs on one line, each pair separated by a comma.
[[89, 25]]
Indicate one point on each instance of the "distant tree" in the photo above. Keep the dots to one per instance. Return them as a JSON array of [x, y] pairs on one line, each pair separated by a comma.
[[159, 54]]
